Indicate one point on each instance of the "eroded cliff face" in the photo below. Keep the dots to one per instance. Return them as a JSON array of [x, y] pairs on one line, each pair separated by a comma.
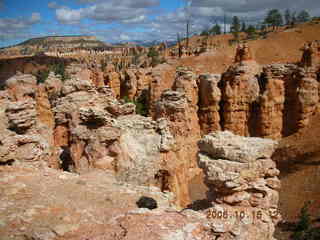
[[25, 136], [240, 90], [276, 101], [243, 185], [179, 107], [209, 103], [79, 126], [270, 101]]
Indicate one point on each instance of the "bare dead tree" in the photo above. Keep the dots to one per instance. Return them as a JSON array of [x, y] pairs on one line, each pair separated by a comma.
[[179, 45], [224, 23]]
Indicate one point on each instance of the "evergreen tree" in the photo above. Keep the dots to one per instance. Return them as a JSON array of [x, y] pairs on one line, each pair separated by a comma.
[[303, 16], [293, 19], [204, 33], [251, 32], [304, 229], [215, 30], [235, 27], [287, 16], [243, 27], [304, 219], [274, 18]]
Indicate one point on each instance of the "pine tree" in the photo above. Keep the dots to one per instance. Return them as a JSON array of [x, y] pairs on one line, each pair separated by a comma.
[[293, 19], [235, 27], [243, 27], [274, 18], [287, 16], [303, 16], [204, 33], [251, 32], [216, 30]]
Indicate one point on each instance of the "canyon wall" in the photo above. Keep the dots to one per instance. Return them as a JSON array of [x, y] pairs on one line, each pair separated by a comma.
[[243, 185], [81, 124]]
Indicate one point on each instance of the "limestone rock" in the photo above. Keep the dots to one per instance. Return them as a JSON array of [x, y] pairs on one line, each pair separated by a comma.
[[21, 115], [225, 145], [140, 145], [209, 100], [272, 100], [179, 107], [240, 90], [53, 85], [307, 95], [21, 86], [242, 179]]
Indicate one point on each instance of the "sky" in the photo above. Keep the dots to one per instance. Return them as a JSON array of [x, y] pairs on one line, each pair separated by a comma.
[[129, 20]]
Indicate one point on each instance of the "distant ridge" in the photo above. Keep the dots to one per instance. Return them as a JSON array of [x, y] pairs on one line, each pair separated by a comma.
[[67, 38], [55, 43]]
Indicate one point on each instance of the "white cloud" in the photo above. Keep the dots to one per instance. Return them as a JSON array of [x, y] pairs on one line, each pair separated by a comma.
[[125, 11], [69, 16], [124, 37], [54, 5], [249, 6], [12, 28], [35, 17]]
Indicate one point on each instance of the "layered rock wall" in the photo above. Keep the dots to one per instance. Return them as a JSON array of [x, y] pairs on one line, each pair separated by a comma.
[[240, 90], [209, 103], [243, 185], [179, 107]]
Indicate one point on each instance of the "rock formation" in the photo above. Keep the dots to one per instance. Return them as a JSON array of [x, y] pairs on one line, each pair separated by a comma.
[[25, 136], [243, 185], [78, 126], [112, 79], [179, 107], [240, 90], [307, 95], [274, 94], [209, 100], [311, 54]]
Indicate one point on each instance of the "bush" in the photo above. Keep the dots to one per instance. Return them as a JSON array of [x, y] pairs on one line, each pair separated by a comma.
[[141, 104], [251, 32], [42, 76], [60, 69], [303, 229], [155, 57]]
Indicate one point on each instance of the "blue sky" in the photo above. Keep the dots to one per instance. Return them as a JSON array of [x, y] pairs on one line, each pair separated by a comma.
[[127, 20]]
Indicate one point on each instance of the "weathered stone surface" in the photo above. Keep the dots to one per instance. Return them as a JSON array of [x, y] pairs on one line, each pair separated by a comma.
[[179, 107], [91, 206], [186, 82], [311, 54], [307, 95], [240, 89], [53, 86], [272, 100], [112, 78], [140, 146], [21, 115], [129, 84], [209, 102], [225, 145], [21, 86], [243, 184]]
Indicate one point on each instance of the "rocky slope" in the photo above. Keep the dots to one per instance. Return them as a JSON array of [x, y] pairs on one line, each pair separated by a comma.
[[53, 43], [87, 125], [46, 204]]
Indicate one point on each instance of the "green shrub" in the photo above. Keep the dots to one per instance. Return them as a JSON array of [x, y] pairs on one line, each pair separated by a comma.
[[304, 229], [141, 104], [155, 57], [60, 69], [42, 76]]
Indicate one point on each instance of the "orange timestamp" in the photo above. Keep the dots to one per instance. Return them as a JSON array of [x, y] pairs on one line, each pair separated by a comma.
[[224, 214]]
